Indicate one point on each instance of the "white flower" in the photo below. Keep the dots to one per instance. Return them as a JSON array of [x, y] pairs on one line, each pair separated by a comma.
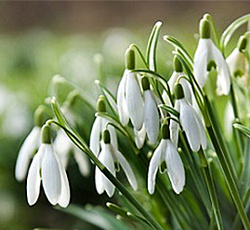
[[27, 151], [64, 147], [151, 114], [190, 121], [129, 97], [206, 53], [167, 151], [140, 137], [109, 156], [46, 167]]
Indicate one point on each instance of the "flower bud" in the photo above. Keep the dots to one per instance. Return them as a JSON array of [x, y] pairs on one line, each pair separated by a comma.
[[145, 83], [129, 59], [46, 137], [101, 107], [178, 91], [204, 28], [106, 136], [177, 65]]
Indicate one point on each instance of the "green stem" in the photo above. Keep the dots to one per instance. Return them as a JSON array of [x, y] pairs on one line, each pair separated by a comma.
[[211, 189], [229, 178]]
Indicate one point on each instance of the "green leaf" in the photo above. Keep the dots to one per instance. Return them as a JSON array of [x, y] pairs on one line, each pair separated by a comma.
[[227, 34], [152, 44], [242, 128]]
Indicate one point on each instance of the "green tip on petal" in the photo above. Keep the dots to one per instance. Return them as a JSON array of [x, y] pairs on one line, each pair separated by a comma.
[[211, 65], [165, 131], [106, 136], [204, 28], [145, 83], [178, 91], [46, 137], [177, 65], [242, 43], [129, 59], [101, 107], [39, 116]]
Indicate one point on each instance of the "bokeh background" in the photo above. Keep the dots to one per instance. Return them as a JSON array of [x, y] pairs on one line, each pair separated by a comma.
[[41, 39]]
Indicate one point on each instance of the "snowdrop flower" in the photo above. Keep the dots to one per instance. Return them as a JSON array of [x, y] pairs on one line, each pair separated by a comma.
[[237, 60], [129, 97], [29, 146], [98, 127], [47, 168], [110, 156], [178, 74], [190, 121], [167, 152], [151, 114], [207, 56], [64, 147], [140, 137]]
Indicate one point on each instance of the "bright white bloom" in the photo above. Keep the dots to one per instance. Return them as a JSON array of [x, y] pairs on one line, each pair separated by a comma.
[[151, 114], [190, 121], [109, 156], [140, 137], [64, 147], [26, 153], [207, 53], [167, 151], [129, 97], [46, 167]]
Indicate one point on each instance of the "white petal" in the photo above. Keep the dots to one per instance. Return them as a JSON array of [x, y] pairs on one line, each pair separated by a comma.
[[175, 168], [155, 162], [223, 76], [99, 181], [151, 116], [95, 136], [121, 100], [127, 169], [82, 162], [201, 59], [134, 101], [34, 180], [165, 98], [51, 177], [187, 90], [140, 137], [172, 80], [190, 125], [174, 126], [65, 190], [26, 152], [108, 161]]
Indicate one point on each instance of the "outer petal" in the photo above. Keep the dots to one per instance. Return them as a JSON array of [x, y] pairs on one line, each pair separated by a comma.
[[151, 117], [82, 162], [127, 169], [155, 162], [174, 126], [175, 168], [201, 60], [121, 100], [107, 159], [51, 177], [26, 152], [95, 136], [172, 80], [140, 137], [99, 181], [34, 180], [134, 101], [190, 125], [65, 191], [223, 77]]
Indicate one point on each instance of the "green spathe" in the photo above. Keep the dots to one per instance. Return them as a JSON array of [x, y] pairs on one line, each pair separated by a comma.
[[130, 59], [204, 29], [178, 91], [242, 43], [145, 83], [165, 131], [177, 65], [101, 107], [46, 137], [39, 116]]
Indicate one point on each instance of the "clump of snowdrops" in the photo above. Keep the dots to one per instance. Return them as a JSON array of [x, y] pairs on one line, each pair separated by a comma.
[[180, 140]]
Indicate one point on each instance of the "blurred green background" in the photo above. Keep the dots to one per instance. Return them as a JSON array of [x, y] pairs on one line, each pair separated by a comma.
[[41, 39]]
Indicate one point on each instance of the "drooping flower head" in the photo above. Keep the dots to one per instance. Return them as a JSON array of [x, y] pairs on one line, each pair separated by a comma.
[[207, 56], [98, 127], [110, 157], [29, 146], [47, 168], [129, 97], [166, 152], [190, 121]]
